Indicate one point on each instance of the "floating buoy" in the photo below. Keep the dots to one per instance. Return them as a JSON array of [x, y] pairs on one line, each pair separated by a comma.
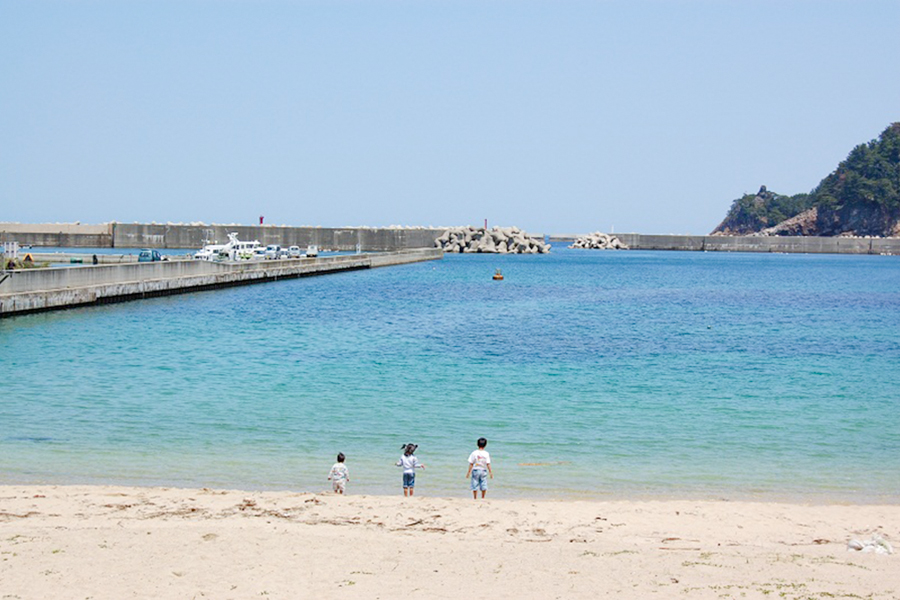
[[498, 276]]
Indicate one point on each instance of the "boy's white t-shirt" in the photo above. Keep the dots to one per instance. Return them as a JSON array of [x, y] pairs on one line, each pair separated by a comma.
[[480, 459], [339, 472]]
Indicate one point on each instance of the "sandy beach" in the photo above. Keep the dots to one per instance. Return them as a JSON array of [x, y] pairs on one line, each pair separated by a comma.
[[122, 542]]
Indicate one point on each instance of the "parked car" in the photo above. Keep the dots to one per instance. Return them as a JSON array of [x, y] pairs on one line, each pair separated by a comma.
[[284, 253], [312, 251], [149, 255], [272, 251], [294, 251]]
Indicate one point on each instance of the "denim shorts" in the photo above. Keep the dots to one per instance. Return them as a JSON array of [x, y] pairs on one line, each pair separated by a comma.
[[479, 480], [409, 480]]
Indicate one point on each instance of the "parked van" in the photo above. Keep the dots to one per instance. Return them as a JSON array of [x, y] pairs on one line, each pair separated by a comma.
[[149, 255]]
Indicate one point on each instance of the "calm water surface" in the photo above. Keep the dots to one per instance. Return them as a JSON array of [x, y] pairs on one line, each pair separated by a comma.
[[593, 374]]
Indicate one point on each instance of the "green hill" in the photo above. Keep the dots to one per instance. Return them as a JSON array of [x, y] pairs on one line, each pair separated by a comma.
[[752, 213], [860, 197]]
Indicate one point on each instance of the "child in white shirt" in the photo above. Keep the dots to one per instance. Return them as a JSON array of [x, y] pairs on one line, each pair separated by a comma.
[[479, 468], [339, 475], [410, 463]]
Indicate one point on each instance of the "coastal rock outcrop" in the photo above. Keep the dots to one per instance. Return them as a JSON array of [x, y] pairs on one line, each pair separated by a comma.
[[752, 214], [803, 224], [497, 240], [599, 241]]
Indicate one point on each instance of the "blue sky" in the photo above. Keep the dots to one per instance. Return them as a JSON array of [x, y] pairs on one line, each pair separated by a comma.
[[558, 117]]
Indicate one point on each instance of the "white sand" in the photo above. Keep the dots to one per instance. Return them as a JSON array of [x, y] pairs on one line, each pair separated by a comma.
[[112, 542]]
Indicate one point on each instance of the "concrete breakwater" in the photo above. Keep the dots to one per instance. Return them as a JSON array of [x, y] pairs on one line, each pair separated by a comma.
[[60, 235], [599, 241], [34, 290], [136, 235], [499, 240], [787, 244], [141, 235]]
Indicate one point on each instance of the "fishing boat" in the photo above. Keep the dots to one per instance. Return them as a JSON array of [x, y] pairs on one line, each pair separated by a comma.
[[234, 250], [208, 252]]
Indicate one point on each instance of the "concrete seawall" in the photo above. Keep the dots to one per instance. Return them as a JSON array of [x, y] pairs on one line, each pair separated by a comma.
[[788, 244], [138, 235], [60, 235], [34, 290]]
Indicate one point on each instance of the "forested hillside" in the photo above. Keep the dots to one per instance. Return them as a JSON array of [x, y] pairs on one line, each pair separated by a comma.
[[860, 197]]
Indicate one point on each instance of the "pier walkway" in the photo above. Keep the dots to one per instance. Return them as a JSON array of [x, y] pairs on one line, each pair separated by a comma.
[[33, 290]]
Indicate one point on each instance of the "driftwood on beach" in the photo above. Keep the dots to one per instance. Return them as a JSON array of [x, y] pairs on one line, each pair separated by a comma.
[[497, 240]]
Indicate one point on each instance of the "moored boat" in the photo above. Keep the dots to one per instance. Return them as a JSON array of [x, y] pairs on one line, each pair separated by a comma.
[[234, 250]]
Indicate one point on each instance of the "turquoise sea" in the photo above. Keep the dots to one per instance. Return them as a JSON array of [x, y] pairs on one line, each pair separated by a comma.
[[593, 374]]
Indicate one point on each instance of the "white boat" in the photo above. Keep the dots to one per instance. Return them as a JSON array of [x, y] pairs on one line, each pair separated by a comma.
[[234, 250], [209, 252]]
